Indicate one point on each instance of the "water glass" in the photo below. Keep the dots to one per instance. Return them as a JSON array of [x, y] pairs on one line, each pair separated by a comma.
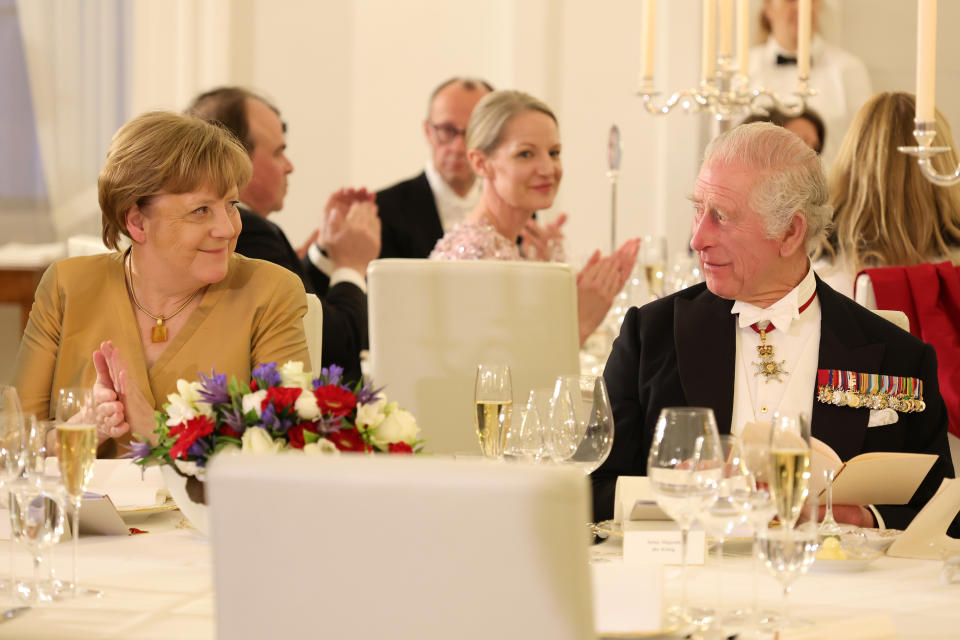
[[525, 440], [37, 505], [582, 425]]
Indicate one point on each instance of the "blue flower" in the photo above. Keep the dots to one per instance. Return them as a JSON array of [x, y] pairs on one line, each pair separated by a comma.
[[234, 419], [368, 394], [200, 450], [214, 389], [328, 375], [138, 449], [267, 375]]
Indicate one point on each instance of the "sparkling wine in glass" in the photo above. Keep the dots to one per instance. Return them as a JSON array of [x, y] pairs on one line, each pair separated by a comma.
[[790, 466], [653, 257], [683, 468], [77, 450], [493, 397], [36, 521], [586, 426]]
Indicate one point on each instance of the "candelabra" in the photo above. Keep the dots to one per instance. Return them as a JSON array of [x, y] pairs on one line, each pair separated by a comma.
[[727, 96], [925, 132]]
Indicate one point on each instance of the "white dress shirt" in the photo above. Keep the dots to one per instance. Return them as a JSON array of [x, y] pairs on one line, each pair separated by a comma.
[[840, 79], [796, 341], [452, 208]]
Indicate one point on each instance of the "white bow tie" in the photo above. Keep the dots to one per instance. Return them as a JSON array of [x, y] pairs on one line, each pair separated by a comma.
[[781, 314]]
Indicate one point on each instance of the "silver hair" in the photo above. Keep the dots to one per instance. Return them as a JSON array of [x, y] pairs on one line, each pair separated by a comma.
[[789, 176]]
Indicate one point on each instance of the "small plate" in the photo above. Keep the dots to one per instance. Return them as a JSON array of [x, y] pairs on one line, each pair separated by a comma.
[[856, 562], [881, 539]]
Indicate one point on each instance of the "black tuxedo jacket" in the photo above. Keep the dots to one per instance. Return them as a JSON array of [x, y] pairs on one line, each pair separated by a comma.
[[344, 304], [680, 351], [410, 222]]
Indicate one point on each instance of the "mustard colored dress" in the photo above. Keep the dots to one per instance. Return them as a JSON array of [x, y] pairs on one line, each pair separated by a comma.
[[254, 315]]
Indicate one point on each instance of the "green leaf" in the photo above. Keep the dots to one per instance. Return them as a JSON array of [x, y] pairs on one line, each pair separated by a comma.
[[310, 437]]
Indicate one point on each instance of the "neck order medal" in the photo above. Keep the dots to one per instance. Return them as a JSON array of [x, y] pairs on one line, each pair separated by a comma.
[[768, 367]]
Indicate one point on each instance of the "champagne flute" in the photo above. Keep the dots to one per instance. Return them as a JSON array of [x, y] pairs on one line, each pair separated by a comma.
[[653, 257], [790, 460], [586, 428], [493, 396], [683, 469], [77, 444], [36, 521]]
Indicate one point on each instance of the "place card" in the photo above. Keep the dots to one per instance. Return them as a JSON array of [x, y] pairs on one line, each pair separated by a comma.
[[627, 598], [655, 542]]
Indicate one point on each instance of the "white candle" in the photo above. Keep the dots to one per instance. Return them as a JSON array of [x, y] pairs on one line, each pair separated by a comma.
[[804, 17], [926, 60], [649, 37], [708, 52], [743, 36], [725, 11]]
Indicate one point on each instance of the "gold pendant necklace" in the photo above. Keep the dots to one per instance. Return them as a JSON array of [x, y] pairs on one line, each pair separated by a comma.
[[159, 331], [768, 367]]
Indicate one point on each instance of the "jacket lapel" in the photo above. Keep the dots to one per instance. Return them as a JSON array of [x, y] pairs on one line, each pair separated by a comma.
[[844, 346], [705, 337]]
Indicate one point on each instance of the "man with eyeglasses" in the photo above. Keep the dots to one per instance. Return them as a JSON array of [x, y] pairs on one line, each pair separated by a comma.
[[415, 213]]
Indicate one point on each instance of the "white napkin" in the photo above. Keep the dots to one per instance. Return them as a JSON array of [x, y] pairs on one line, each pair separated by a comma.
[[16, 254], [881, 417], [873, 627], [124, 483]]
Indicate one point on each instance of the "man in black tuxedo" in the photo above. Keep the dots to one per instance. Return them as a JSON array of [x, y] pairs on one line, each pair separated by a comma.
[[351, 235], [416, 212], [760, 199]]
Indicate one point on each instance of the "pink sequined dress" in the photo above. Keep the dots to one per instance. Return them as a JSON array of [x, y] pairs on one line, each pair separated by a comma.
[[475, 241]]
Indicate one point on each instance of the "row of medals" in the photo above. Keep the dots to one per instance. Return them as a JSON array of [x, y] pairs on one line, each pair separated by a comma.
[[879, 400]]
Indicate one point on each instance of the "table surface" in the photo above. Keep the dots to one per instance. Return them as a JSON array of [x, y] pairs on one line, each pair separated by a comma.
[[159, 585]]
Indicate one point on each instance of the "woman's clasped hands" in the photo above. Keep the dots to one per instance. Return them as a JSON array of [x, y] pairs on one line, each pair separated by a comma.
[[121, 406]]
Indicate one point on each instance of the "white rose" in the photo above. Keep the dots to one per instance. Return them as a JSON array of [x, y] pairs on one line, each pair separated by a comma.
[[370, 415], [190, 391], [322, 447], [398, 426], [306, 406], [189, 468], [179, 409], [252, 401], [257, 440], [292, 375]]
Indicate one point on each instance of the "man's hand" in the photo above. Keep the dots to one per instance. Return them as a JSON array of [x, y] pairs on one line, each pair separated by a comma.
[[351, 237], [850, 514]]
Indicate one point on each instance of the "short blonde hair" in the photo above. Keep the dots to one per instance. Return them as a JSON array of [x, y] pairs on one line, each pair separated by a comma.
[[163, 152], [887, 213], [789, 176], [493, 112]]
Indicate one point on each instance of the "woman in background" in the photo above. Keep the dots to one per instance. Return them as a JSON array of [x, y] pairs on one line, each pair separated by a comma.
[[513, 144], [178, 302], [885, 212]]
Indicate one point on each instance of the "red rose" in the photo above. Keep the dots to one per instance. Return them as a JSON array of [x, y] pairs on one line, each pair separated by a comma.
[[253, 385], [399, 447], [283, 398], [295, 434], [348, 440], [227, 430], [189, 433], [335, 401]]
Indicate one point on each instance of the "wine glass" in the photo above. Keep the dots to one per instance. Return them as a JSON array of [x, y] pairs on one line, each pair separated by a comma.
[[11, 453], [756, 459], [788, 553], [729, 510], [830, 527], [525, 440], [77, 451], [790, 471], [493, 396], [653, 257], [582, 421], [683, 469], [36, 521]]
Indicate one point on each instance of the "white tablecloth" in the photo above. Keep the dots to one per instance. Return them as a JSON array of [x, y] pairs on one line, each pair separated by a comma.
[[159, 586]]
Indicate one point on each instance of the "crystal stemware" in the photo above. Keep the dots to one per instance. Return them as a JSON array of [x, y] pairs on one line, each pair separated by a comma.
[[684, 468], [583, 421], [36, 521], [525, 439], [11, 456], [77, 451], [493, 396], [829, 527]]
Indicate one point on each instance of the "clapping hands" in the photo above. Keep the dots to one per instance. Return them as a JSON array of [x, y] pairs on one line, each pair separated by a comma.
[[121, 406], [351, 230], [598, 283]]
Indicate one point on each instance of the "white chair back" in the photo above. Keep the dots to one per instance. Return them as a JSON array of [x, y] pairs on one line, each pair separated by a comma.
[[432, 322], [313, 330], [371, 547]]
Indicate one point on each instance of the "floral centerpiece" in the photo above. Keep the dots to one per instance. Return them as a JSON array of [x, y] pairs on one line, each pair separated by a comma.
[[282, 409]]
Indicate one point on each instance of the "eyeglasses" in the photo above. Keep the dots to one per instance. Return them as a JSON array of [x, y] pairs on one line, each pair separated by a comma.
[[447, 133]]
